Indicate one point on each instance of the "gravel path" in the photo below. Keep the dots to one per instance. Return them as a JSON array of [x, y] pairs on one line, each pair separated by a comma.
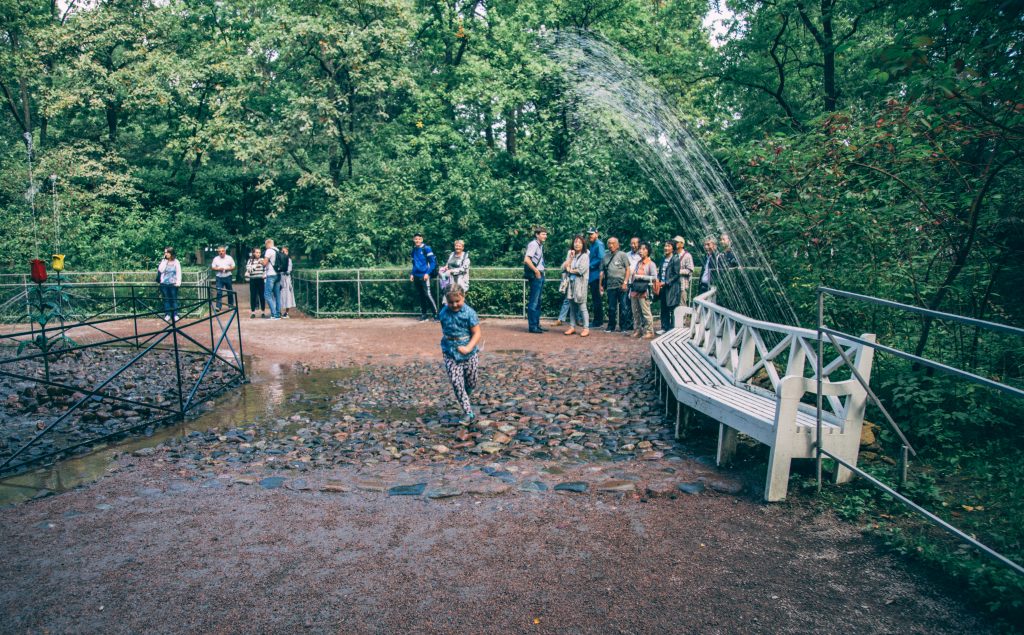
[[177, 539]]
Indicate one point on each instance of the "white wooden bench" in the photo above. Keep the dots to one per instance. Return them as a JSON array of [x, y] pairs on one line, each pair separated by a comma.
[[711, 367]]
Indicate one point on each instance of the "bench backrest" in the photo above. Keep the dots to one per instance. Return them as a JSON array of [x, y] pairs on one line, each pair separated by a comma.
[[746, 350]]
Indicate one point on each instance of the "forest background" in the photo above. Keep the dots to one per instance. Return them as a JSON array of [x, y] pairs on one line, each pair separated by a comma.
[[876, 145]]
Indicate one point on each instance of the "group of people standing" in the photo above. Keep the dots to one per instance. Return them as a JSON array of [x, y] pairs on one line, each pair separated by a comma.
[[630, 279], [454, 273], [269, 275]]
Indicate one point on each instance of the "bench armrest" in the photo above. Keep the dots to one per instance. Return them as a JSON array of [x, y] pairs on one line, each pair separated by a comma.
[[795, 387]]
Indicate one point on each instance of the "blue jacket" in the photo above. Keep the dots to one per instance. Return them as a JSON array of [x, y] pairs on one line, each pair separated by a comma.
[[423, 261], [596, 256]]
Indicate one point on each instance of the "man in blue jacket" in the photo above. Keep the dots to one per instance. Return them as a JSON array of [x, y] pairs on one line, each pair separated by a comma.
[[424, 263], [596, 256]]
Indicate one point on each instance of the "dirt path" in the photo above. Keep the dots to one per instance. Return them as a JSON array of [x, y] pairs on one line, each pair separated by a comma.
[[167, 543]]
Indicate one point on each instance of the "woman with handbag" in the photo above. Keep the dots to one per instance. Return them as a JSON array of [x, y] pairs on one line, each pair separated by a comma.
[[255, 275], [455, 272], [577, 266], [669, 289], [640, 280]]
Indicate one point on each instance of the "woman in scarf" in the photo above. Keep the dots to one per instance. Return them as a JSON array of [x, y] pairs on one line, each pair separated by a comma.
[[577, 266]]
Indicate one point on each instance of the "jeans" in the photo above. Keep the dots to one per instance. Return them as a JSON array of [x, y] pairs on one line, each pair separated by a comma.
[[224, 286], [627, 312], [533, 303], [169, 293], [563, 313], [256, 299], [272, 292], [616, 306], [595, 292], [578, 315]]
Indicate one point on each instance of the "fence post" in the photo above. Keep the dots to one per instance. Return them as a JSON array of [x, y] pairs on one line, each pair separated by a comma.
[[818, 404], [135, 316], [317, 313], [177, 362], [524, 296], [359, 292], [28, 306], [113, 292]]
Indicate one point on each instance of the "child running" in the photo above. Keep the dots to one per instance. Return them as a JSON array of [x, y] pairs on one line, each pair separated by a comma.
[[460, 328]]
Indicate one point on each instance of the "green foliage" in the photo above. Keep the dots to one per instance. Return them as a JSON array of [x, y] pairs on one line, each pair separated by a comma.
[[877, 146]]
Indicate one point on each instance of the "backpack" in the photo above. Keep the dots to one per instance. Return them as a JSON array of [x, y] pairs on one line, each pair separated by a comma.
[[281, 261]]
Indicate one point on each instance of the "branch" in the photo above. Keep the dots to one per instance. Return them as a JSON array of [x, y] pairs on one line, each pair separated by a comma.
[[810, 25], [892, 176], [11, 106]]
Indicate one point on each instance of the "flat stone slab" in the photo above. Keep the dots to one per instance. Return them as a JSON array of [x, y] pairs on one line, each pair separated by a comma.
[[533, 486], [616, 486], [691, 488], [373, 485], [335, 487], [577, 487], [487, 488], [416, 489], [443, 492], [272, 482]]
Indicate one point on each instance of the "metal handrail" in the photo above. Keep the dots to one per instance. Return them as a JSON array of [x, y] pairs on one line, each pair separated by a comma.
[[144, 342], [821, 452]]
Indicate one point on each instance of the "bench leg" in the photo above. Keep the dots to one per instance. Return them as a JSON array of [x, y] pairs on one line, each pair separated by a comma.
[[726, 444], [686, 417], [777, 483], [848, 454]]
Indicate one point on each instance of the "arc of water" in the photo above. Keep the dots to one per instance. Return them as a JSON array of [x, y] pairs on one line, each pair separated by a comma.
[[690, 180]]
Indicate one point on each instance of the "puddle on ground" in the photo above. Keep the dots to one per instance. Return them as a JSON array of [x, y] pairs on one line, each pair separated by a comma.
[[277, 393]]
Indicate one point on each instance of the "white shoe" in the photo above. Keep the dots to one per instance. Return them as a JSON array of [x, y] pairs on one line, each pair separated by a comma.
[[177, 318], [167, 318], [659, 332]]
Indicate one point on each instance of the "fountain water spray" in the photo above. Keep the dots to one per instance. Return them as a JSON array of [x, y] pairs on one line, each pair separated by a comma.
[[612, 89]]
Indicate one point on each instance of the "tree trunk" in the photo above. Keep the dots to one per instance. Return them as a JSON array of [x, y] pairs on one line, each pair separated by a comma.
[[511, 129]]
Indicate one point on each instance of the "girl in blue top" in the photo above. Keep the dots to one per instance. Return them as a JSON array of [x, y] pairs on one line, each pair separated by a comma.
[[460, 328]]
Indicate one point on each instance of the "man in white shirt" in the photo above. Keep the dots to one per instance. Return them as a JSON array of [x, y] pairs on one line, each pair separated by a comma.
[[223, 265]]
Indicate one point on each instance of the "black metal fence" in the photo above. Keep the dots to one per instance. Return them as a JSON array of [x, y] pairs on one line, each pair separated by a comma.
[[79, 375]]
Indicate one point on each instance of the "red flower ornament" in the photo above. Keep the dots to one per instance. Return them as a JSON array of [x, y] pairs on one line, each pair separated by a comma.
[[38, 271]]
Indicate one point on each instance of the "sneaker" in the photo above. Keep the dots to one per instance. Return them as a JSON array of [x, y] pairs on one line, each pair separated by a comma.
[[177, 318], [264, 316], [284, 317], [609, 330], [167, 318], [276, 318], [252, 315], [537, 331], [660, 332]]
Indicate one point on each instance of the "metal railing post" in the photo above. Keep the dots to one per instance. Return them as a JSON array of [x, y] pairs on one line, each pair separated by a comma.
[[113, 291], [238, 325], [135, 316], [177, 361], [359, 293], [317, 312], [818, 399]]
